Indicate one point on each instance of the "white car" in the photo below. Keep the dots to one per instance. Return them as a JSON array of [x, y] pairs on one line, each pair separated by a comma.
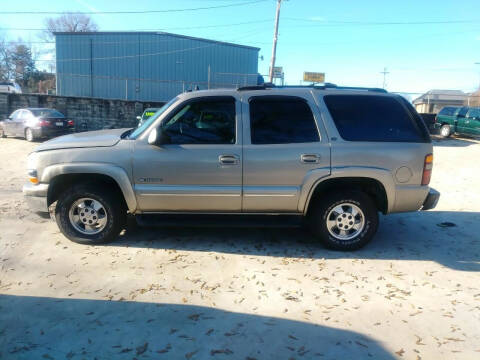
[[10, 87]]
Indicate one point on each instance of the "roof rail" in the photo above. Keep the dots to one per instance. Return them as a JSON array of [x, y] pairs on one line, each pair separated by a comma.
[[257, 87], [357, 88], [325, 86]]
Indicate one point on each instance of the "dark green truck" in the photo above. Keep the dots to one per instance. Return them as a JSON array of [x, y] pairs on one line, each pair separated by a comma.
[[459, 120]]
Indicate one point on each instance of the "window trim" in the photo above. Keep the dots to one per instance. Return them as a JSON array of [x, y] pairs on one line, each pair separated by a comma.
[[280, 98], [180, 106]]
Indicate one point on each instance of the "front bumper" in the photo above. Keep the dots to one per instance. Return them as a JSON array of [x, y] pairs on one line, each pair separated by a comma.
[[431, 200], [36, 197]]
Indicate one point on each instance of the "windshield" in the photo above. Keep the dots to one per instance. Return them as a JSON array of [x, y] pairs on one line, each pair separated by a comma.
[[47, 113], [151, 119]]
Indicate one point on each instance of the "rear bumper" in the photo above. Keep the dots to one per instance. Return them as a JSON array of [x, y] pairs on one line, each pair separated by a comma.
[[36, 197], [51, 132], [431, 200]]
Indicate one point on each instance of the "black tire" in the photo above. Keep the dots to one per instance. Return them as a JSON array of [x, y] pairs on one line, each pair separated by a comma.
[[2, 133], [113, 205], [317, 219], [445, 131], [29, 135]]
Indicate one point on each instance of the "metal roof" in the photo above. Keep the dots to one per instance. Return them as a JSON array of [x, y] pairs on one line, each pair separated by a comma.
[[154, 33], [441, 95]]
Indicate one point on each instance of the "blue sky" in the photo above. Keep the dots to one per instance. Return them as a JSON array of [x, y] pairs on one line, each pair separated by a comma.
[[315, 35]]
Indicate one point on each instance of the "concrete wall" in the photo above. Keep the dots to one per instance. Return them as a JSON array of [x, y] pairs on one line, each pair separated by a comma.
[[88, 113]]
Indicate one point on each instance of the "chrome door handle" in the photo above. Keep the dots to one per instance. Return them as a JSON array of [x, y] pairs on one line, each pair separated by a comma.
[[228, 159], [310, 158]]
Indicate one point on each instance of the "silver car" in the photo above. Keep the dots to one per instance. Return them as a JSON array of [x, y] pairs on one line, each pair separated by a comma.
[[332, 156]]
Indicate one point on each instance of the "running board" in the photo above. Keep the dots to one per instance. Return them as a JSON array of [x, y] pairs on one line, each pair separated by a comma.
[[216, 220]]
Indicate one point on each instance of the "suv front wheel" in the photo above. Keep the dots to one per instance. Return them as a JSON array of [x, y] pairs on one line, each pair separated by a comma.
[[344, 220], [445, 131], [90, 214]]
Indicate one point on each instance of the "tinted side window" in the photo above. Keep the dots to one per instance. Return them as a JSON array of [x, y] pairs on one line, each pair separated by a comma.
[[205, 121], [447, 111], [462, 112], [474, 113], [374, 118], [281, 120]]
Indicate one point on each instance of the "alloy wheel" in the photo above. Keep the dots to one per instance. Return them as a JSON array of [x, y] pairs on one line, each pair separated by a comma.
[[88, 216], [345, 221]]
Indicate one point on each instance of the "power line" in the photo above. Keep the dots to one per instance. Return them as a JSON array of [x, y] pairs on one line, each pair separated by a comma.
[[340, 22], [128, 12], [157, 29]]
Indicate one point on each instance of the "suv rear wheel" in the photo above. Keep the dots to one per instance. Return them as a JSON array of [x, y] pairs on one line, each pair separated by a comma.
[[344, 220], [90, 214]]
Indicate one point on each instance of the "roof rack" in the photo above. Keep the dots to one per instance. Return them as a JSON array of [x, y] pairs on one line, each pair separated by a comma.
[[325, 86]]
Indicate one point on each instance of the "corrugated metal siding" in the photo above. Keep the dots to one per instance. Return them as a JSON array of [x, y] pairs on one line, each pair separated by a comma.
[[148, 66]]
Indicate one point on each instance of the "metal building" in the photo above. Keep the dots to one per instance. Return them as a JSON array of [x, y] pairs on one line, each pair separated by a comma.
[[148, 66]]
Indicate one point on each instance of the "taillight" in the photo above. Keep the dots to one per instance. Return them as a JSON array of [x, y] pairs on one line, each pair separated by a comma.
[[43, 122], [70, 123], [427, 169]]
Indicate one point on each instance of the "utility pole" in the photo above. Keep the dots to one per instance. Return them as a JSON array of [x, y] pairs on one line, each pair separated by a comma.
[[384, 72], [477, 63], [275, 37]]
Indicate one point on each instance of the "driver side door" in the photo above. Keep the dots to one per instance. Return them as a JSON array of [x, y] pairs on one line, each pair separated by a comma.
[[472, 122], [198, 166]]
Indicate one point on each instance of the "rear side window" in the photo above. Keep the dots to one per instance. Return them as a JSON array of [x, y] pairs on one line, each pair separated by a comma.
[[281, 120], [375, 118], [462, 112], [474, 113]]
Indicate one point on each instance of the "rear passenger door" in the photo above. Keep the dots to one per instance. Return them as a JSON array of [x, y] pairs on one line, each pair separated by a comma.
[[18, 122], [460, 120], [284, 142]]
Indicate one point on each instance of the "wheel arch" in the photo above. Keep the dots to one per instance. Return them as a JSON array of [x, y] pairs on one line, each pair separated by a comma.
[[61, 176], [381, 190]]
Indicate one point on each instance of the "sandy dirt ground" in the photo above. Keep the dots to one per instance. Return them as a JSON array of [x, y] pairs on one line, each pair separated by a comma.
[[413, 293]]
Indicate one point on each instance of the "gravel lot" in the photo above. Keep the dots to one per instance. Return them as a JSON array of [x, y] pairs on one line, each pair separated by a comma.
[[413, 293]]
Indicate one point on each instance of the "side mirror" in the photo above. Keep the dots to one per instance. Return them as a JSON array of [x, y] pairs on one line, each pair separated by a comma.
[[139, 118], [153, 137], [158, 137]]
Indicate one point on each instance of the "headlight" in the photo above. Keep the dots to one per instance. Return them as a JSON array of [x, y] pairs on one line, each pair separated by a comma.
[[32, 168], [32, 176]]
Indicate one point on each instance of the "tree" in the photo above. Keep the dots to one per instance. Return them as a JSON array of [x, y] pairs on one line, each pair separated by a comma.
[[23, 63], [6, 67], [68, 22]]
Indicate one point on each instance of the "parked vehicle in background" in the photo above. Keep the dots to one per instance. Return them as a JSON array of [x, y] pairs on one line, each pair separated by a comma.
[[429, 121], [36, 123], [334, 157], [10, 87], [149, 112], [458, 120]]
